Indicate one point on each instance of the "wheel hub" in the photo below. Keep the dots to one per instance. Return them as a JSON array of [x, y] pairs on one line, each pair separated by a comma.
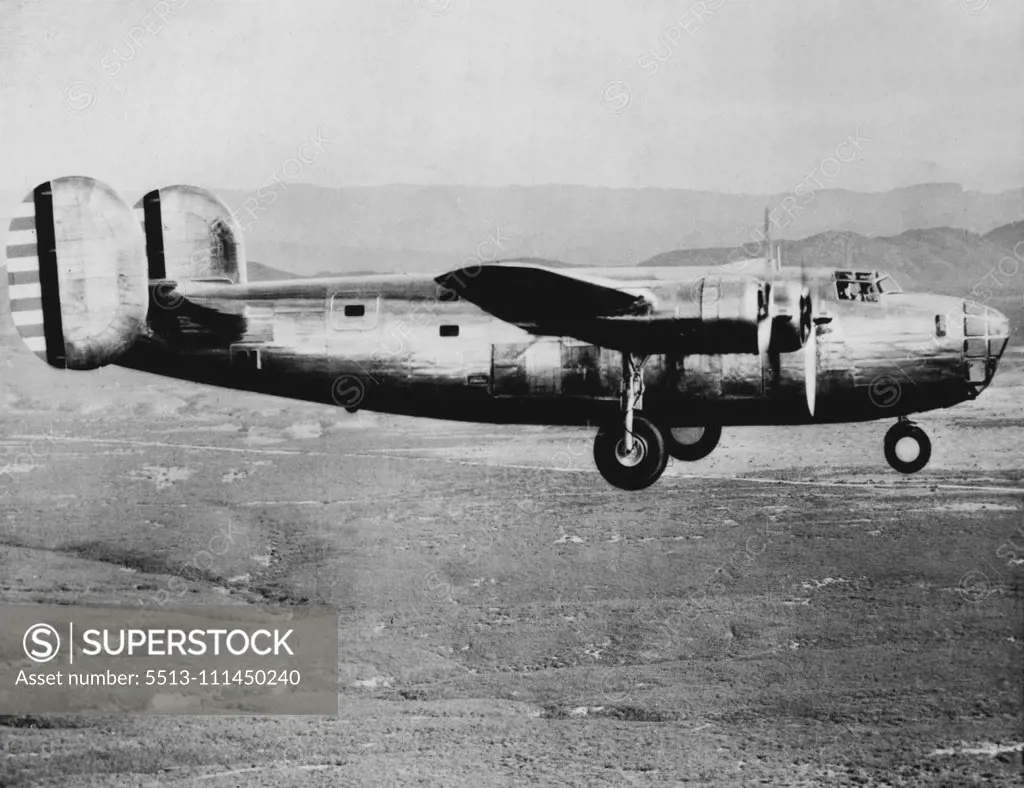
[[687, 436], [908, 449], [632, 457]]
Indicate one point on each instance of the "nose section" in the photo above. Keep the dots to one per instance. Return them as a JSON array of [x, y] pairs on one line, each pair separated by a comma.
[[1000, 326], [986, 334]]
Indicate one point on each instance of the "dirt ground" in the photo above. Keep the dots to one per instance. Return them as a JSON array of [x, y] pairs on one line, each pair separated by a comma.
[[788, 612]]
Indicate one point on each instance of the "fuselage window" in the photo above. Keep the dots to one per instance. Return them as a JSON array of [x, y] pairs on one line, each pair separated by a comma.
[[449, 331], [354, 311], [863, 285], [856, 291]]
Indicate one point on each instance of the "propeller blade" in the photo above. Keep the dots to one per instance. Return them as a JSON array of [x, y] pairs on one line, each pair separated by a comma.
[[806, 314], [765, 326], [811, 370], [768, 309], [809, 335]]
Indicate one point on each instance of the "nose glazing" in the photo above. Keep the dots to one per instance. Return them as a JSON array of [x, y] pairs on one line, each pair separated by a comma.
[[986, 333]]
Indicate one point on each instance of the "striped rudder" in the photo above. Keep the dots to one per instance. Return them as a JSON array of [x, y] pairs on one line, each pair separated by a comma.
[[77, 276], [191, 236]]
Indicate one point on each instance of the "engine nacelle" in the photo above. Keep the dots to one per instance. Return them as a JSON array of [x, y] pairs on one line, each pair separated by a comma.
[[76, 266], [733, 314], [709, 315], [191, 236]]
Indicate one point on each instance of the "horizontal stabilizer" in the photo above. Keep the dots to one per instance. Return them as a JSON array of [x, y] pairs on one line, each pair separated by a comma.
[[188, 324]]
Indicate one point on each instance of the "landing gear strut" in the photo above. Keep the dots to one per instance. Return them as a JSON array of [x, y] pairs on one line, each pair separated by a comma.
[[631, 454], [907, 447]]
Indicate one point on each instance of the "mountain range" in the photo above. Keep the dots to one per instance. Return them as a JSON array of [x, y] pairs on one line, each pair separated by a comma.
[[309, 230], [933, 260], [933, 237]]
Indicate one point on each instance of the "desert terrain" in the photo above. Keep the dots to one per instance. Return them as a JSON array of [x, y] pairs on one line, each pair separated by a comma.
[[787, 612]]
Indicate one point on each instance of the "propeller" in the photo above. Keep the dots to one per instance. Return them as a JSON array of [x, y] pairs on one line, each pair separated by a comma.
[[767, 307], [790, 312], [811, 371], [809, 337]]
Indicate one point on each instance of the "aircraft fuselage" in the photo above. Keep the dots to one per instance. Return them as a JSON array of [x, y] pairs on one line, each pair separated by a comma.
[[401, 344]]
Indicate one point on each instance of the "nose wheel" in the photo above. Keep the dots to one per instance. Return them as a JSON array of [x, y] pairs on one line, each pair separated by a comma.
[[907, 447], [631, 454]]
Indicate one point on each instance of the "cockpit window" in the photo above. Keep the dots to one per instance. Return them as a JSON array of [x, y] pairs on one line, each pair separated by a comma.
[[864, 285]]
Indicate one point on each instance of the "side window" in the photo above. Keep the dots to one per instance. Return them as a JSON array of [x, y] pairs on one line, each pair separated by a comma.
[[868, 291], [354, 311], [856, 286], [846, 288]]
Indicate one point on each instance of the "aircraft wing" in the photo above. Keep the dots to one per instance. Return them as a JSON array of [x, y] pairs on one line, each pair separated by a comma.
[[538, 298], [722, 314]]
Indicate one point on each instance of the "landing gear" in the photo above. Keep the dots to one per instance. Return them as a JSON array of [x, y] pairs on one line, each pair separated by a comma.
[[631, 455], [692, 443], [907, 447], [634, 468]]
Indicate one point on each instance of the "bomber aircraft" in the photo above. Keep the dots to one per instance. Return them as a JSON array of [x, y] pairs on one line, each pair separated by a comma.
[[658, 358]]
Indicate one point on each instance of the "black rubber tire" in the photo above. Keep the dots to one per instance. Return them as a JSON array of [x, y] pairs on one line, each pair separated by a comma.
[[690, 452], [897, 433], [647, 468]]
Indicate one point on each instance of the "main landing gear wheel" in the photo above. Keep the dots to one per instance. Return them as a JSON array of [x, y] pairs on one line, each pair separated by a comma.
[[631, 454], [907, 447], [692, 443], [637, 466]]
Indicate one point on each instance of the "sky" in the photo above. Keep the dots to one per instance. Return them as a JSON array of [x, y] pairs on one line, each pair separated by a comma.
[[742, 96]]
